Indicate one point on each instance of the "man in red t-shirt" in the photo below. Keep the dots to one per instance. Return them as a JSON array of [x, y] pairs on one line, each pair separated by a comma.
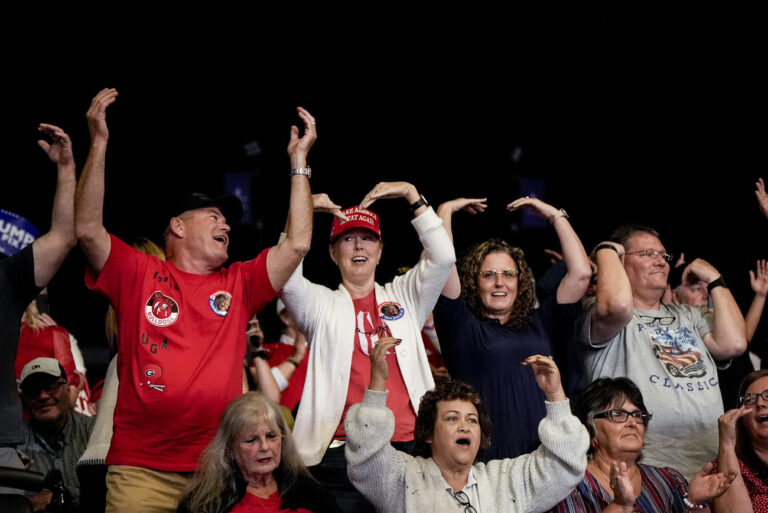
[[181, 321]]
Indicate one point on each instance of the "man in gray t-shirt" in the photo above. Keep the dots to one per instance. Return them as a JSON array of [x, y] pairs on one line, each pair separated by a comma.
[[667, 350]]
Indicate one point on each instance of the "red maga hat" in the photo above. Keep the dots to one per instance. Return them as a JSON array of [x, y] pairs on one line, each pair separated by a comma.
[[356, 218]]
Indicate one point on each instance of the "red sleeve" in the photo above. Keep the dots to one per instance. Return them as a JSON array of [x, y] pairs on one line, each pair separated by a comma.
[[258, 288], [120, 270]]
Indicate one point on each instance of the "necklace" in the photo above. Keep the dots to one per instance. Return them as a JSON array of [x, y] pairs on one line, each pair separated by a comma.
[[608, 479]]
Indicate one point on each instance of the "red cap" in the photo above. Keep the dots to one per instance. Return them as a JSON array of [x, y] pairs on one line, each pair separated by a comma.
[[356, 218]]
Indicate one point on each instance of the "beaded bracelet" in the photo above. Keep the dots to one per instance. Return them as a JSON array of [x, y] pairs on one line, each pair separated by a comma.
[[690, 505]]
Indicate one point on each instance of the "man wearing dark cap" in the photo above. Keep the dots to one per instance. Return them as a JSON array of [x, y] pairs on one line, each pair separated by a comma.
[[181, 322], [56, 435]]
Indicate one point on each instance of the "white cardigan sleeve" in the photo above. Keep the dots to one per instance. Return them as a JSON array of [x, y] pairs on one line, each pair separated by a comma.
[[426, 280]]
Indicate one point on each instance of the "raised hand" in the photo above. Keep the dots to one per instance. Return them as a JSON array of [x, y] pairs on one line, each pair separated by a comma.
[[298, 147], [554, 256], [254, 330], [621, 485], [535, 205], [706, 486], [60, 148], [379, 367], [322, 203], [385, 190], [759, 278], [547, 376], [726, 424], [702, 270], [762, 197], [471, 205], [97, 114]]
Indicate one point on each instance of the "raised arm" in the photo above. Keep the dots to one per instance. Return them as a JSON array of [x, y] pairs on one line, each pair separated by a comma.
[[262, 375], [89, 202], [613, 299], [728, 337], [762, 197], [736, 497], [575, 283], [452, 289], [288, 367], [284, 258], [387, 190], [373, 465], [758, 279], [50, 249], [545, 476]]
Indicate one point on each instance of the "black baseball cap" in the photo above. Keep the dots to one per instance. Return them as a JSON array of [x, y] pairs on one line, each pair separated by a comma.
[[229, 205]]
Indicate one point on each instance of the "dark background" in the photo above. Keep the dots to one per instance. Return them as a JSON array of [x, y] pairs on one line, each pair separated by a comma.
[[651, 116]]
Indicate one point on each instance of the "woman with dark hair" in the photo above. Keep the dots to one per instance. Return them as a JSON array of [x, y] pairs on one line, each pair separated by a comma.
[[450, 430], [744, 448], [614, 413], [487, 322], [252, 466]]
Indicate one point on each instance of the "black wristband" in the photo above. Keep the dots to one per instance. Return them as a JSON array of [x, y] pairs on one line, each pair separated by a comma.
[[419, 202], [292, 361], [261, 353], [720, 282], [605, 245]]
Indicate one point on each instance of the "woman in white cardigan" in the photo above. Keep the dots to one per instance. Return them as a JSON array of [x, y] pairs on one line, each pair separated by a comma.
[[337, 330], [452, 426]]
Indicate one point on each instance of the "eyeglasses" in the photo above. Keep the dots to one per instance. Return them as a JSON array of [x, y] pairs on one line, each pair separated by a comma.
[[491, 274], [652, 253], [621, 416], [650, 319], [749, 399], [666, 320], [34, 390], [462, 499]]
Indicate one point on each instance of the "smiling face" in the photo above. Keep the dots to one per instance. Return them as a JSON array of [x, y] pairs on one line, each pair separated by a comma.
[[205, 233], [257, 451], [756, 421], [46, 398], [647, 274], [456, 437], [357, 253], [618, 439], [498, 293]]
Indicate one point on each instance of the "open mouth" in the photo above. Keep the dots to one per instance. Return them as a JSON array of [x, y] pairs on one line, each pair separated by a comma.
[[220, 238], [762, 418], [360, 259], [463, 441], [499, 294]]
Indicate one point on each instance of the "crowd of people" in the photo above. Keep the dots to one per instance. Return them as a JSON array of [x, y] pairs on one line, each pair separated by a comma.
[[348, 411]]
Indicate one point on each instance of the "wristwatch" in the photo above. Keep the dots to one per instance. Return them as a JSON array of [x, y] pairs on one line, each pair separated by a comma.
[[562, 212], [306, 171], [419, 202]]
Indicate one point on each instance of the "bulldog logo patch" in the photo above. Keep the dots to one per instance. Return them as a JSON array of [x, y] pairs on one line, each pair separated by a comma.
[[161, 310]]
